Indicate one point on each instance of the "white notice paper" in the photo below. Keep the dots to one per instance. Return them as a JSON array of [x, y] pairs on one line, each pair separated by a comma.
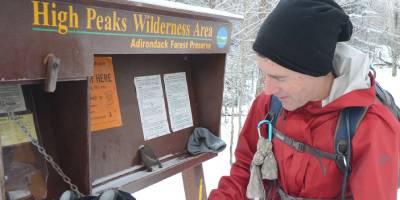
[[151, 106], [11, 97], [178, 100]]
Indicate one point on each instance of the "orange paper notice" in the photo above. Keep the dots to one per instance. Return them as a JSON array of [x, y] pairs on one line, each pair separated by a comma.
[[104, 103]]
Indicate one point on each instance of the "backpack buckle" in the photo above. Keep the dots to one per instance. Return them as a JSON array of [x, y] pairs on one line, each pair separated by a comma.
[[342, 163], [298, 146]]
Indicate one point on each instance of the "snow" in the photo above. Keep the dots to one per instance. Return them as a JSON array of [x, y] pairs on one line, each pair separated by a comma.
[[389, 83], [352, 15], [384, 53], [172, 187], [369, 12], [189, 8]]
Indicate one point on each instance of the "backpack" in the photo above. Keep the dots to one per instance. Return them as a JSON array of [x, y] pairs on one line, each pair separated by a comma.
[[349, 119]]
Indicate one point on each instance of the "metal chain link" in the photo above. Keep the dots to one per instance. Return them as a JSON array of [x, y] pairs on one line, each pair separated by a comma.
[[41, 150]]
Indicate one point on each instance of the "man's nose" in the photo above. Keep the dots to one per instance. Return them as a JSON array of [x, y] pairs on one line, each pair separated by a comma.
[[270, 87]]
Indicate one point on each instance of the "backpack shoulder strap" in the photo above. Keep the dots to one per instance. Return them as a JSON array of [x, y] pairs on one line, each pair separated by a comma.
[[275, 107], [348, 122], [387, 100]]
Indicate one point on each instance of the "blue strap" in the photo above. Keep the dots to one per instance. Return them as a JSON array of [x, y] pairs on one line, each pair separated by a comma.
[[275, 107], [349, 120], [354, 116]]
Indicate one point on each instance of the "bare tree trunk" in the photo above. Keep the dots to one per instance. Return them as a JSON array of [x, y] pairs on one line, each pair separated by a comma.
[[232, 134], [260, 83], [264, 6], [211, 3], [242, 62], [225, 113], [253, 74], [395, 51], [240, 102], [395, 57]]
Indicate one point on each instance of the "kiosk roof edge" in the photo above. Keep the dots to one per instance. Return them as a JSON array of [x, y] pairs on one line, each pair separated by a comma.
[[187, 9]]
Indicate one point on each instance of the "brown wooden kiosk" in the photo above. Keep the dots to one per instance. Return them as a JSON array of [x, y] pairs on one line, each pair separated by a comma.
[[87, 72]]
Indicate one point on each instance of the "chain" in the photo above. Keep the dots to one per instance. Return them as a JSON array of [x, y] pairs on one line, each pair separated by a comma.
[[48, 158]]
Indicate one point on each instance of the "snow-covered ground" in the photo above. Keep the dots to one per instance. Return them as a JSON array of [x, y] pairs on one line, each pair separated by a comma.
[[172, 187], [390, 83]]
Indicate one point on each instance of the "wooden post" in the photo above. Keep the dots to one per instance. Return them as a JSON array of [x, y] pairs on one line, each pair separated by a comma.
[[194, 183]]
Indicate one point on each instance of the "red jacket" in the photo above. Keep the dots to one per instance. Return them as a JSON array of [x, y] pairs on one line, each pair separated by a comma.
[[375, 151]]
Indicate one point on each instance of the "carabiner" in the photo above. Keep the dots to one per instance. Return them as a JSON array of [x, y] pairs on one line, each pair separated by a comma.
[[265, 121]]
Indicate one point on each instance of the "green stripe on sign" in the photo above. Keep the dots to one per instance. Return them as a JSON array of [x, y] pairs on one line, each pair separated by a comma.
[[123, 34]]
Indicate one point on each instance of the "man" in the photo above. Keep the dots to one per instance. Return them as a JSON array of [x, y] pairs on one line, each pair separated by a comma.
[[315, 77]]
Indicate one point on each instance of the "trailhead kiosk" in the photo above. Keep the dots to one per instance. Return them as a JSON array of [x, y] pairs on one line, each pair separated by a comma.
[[84, 84]]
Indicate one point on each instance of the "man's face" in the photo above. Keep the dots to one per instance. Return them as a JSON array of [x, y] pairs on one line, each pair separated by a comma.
[[292, 88]]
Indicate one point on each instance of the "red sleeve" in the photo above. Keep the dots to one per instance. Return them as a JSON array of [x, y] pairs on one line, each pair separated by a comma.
[[233, 187], [376, 157]]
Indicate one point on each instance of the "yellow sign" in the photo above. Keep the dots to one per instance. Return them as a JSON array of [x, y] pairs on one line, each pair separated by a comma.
[[12, 134], [64, 17], [145, 30], [104, 103]]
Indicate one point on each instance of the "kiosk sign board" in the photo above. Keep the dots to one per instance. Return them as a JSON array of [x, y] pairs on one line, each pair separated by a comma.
[[129, 29]]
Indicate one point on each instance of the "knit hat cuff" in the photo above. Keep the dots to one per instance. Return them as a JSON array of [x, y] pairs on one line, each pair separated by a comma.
[[268, 53]]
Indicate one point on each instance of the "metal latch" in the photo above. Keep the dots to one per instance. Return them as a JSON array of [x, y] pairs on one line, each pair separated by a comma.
[[52, 64]]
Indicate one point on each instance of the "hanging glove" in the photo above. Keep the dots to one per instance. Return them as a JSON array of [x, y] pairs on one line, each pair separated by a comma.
[[269, 169], [263, 166]]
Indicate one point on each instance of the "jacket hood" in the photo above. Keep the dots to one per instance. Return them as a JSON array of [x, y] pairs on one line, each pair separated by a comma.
[[351, 68], [352, 85]]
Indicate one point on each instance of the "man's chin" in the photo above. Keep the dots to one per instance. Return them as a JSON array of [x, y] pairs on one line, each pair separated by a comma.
[[289, 107]]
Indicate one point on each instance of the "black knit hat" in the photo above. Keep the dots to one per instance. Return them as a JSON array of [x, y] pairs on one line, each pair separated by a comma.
[[301, 35]]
